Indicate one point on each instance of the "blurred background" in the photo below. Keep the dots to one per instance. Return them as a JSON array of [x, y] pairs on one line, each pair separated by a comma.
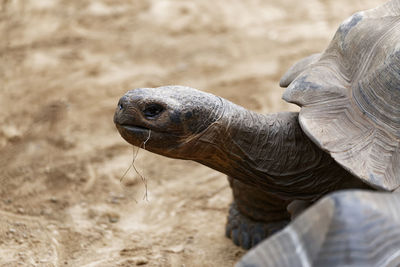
[[63, 66]]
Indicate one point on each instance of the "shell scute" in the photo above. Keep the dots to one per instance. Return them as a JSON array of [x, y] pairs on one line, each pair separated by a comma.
[[348, 24]]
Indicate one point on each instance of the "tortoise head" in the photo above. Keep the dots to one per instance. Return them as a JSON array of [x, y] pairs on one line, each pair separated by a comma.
[[166, 119]]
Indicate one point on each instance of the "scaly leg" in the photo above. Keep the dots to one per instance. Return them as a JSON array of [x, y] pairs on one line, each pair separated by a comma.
[[254, 215]]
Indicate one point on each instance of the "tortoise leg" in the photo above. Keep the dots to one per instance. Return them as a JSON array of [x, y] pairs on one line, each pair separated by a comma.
[[254, 215]]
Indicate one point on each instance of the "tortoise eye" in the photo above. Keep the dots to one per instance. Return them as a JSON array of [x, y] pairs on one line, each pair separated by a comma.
[[153, 110]]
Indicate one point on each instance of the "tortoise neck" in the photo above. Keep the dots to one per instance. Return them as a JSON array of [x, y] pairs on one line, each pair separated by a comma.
[[251, 146]]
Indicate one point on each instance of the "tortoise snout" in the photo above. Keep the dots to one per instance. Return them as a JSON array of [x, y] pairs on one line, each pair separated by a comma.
[[123, 102], [121, 108]]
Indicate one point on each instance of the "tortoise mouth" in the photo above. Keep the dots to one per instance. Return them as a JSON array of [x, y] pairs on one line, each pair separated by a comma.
[[136, 129], [159, 142]]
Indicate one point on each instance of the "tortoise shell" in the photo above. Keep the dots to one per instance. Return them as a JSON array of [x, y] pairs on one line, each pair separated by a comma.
[[350, 96]]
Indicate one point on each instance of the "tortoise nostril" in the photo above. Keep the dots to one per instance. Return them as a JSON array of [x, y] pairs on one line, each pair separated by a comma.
[[122, 103]]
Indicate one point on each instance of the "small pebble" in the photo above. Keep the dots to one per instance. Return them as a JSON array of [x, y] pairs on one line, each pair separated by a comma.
[[114, 200], [141, 260], [113, 218], [175, 249]]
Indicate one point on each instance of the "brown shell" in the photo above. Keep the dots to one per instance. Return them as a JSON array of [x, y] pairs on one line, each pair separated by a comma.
[[350, 96]]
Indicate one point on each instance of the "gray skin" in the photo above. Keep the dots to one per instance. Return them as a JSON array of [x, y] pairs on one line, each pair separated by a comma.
[[269, 160]]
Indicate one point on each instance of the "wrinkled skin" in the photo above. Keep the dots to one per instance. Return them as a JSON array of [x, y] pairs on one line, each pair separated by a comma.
[[271, 161]]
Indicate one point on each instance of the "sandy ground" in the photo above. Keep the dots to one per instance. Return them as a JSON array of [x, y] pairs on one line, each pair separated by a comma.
[[64, 65]]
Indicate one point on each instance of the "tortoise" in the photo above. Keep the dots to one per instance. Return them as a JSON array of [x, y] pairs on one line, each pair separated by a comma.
[[345, 136]]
